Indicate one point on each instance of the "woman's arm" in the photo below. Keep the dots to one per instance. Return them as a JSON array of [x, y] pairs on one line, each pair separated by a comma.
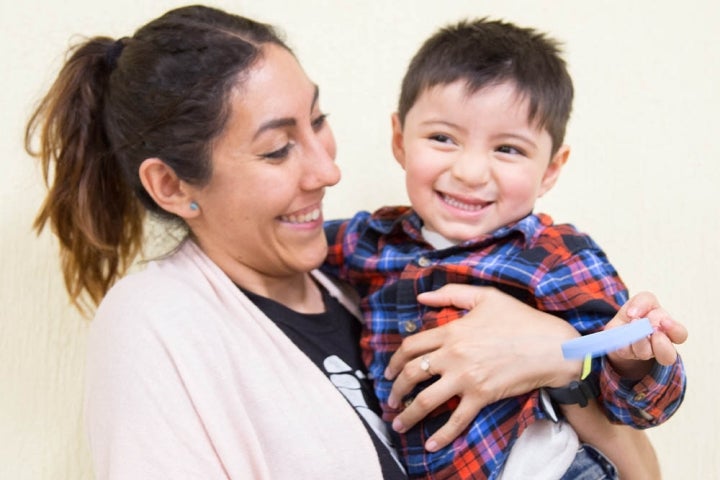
[[506, 347]]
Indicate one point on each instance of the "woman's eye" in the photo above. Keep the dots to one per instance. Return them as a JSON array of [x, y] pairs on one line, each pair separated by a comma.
[[318, 122], [510, 150], [280, 153]]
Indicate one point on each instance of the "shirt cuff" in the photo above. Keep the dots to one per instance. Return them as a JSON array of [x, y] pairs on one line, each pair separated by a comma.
[[644, 396]]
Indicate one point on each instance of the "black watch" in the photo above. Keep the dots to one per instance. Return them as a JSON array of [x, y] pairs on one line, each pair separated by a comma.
[[577, 392]]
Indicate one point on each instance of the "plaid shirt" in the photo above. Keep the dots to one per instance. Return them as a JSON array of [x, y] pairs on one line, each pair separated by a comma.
[[551, 267]]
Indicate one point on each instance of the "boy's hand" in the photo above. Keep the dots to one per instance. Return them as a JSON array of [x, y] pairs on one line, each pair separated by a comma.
[[634, 361]]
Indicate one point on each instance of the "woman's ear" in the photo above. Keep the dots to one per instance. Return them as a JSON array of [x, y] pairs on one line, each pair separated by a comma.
[[552, 173], [166, 189], [397, 140]]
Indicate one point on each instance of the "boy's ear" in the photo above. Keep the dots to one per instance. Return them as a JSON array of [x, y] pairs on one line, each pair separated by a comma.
[[163, 185], [397, 140], [552, 173]]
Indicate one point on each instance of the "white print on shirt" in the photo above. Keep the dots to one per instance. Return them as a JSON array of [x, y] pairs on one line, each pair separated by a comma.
[[344, 380]]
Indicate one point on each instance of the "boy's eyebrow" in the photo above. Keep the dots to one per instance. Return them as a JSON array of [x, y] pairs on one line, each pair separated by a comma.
[[518, 136], [441, 122], [526, 139], [285, 121]]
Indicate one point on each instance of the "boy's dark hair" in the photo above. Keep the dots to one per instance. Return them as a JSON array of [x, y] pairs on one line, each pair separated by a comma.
[[488, 52]]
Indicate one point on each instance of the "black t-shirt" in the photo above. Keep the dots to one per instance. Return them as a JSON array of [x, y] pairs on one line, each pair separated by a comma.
[[331, 341]]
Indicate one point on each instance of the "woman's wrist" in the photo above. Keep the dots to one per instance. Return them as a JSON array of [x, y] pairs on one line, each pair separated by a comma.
[[561, 371]]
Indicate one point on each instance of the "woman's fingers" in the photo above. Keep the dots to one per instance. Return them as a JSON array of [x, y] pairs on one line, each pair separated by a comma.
[[413, 347], [415, 371], [461, 417], [424, 403], [464, 297]]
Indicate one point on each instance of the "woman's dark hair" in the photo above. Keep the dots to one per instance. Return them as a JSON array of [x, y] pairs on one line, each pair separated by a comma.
[[487, 52], [162, 93]]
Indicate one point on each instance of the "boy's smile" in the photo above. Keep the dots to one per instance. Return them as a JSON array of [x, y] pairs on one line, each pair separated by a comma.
[[473, 161]]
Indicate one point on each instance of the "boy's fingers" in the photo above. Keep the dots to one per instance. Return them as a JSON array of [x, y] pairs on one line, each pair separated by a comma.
[[638, 306], [676, 332], [663, 348], [642, 350]]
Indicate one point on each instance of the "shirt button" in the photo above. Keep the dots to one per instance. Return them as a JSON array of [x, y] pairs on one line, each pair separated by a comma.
[[639, 397], [424, 262], [409, 326], [647, 416]]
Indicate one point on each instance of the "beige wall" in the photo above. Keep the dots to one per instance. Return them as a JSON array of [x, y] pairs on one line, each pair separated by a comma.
[[643, 177]]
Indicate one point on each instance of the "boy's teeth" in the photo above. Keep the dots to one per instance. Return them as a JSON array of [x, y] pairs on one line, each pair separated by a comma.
[[461, 205], [304, 218]]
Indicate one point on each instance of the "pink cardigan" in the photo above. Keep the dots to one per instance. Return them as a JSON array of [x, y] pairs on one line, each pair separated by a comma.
[[186, 378]]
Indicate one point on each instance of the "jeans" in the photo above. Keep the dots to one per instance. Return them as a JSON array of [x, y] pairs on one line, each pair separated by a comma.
[[590, 464]]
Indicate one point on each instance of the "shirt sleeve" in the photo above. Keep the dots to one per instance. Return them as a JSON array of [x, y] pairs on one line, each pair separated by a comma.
[[335, 231], [586, 290], [349, 251], [582, 287], [648, 402]]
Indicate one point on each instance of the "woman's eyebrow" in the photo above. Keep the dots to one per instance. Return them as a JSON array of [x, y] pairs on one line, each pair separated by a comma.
[[285, 121], [275, 123]]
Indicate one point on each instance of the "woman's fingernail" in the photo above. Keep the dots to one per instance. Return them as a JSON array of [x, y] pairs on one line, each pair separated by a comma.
[[398, 426], [632, 312], [431, 445], [388, 374], [392, 403]]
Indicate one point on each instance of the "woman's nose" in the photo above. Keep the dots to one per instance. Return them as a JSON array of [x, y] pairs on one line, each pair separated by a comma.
[[320, 167]]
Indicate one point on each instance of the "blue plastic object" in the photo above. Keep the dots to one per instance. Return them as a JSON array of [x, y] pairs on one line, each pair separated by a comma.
[[600, 343]]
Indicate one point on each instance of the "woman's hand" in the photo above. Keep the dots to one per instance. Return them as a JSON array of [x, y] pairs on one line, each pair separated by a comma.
[[635, 361], [501, 348]]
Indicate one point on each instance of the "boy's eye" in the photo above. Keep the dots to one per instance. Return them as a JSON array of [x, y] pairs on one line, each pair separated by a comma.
[[441, 138], [319, 122], [510, 150], [280, 153]]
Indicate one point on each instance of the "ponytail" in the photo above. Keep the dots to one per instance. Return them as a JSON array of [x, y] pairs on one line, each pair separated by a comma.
[[163, 93], [89, 205]]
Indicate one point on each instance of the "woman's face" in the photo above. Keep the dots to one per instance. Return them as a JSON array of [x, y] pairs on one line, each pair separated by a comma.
[[260, 215]]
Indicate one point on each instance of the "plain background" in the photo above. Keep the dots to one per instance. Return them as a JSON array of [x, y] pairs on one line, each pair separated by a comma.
[[642, 178]]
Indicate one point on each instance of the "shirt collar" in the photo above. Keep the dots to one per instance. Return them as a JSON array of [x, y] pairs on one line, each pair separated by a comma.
[[394, 220]]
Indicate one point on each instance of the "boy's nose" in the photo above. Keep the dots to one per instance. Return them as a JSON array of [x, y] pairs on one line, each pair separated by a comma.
[[472, 169]]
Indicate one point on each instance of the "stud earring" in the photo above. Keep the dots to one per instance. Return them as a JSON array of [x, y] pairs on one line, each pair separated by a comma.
[[194, 206]]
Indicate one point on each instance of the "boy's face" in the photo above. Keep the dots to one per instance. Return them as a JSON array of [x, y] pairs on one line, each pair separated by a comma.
[[473, 163]]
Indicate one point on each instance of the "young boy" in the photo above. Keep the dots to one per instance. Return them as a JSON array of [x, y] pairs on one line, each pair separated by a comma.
[[479, 132]]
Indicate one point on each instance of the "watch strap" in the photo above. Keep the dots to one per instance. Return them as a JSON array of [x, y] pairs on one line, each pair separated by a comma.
[[578, 391]]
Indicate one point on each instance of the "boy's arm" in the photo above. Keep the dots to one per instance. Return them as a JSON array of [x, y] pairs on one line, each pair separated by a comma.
[[335, 234], [636, 360], [649, 374], [586, 290], [349, 250]]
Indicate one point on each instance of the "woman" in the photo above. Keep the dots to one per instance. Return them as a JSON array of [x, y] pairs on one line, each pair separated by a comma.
[[214, 361]]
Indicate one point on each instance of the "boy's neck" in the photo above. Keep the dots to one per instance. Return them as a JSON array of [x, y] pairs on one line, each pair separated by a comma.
[[437, 241]]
